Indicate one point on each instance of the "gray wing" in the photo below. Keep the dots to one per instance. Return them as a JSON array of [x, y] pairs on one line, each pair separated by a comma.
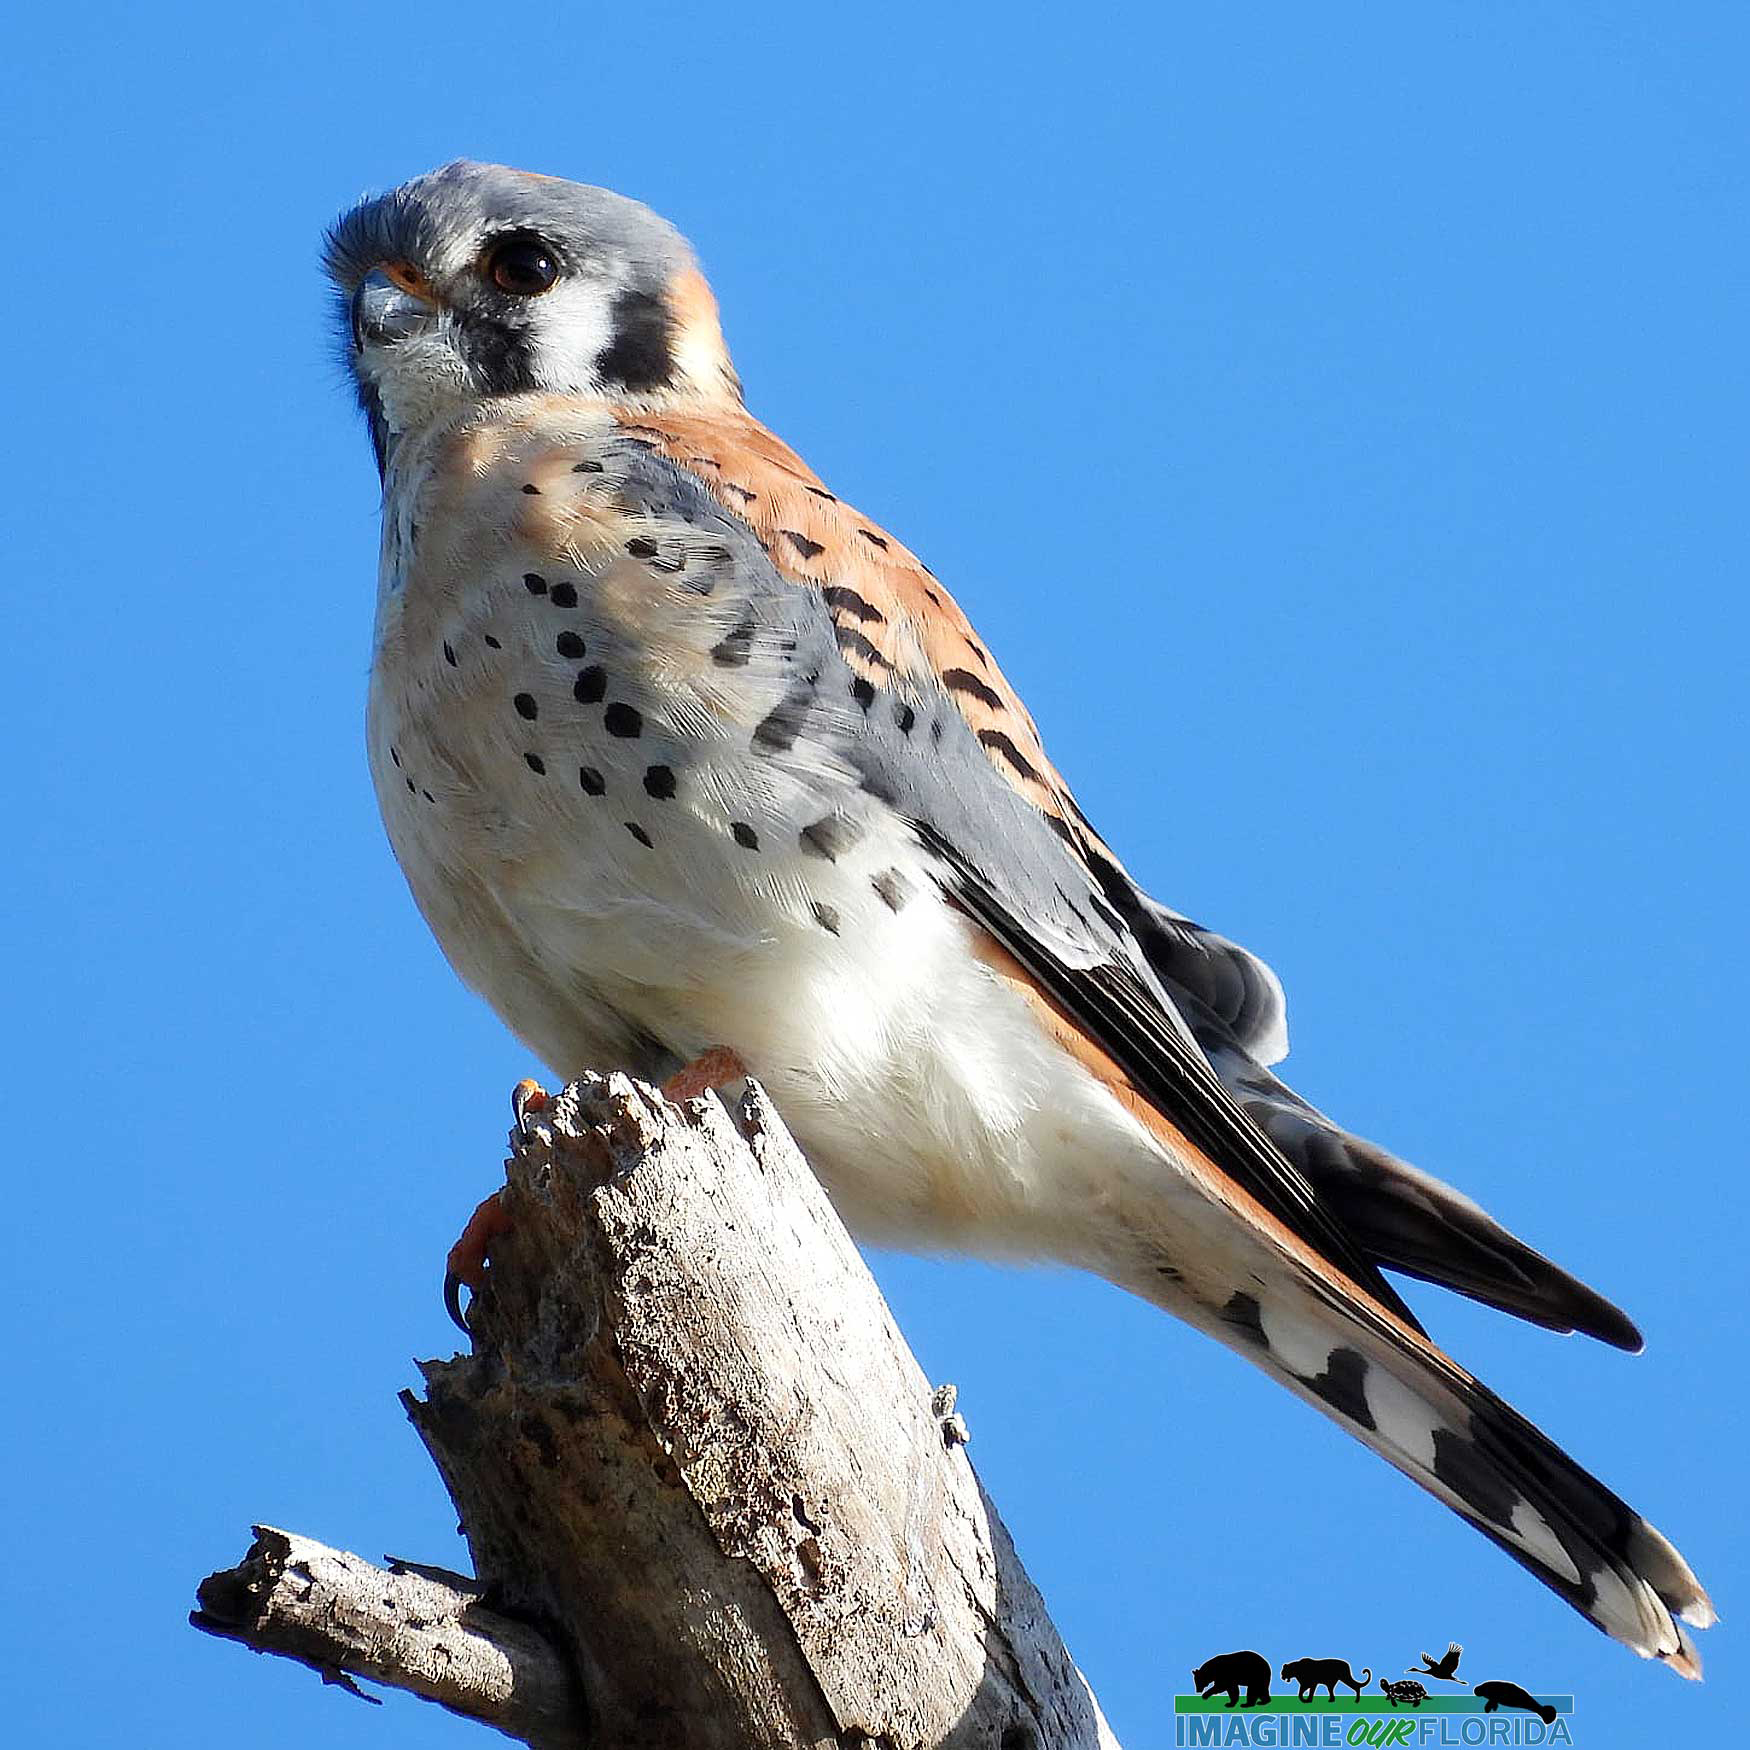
[[1191, 1017]]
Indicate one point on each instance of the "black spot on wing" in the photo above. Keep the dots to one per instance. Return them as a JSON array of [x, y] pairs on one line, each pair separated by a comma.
[[847, 601], [1243, 1312], [735, 647], [1340, 1385], [1473, 1476], [961, 680], [854, 643], [999, 743], [776, 732]]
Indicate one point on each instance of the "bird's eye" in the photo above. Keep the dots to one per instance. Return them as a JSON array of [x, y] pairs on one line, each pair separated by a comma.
[[523, 266]]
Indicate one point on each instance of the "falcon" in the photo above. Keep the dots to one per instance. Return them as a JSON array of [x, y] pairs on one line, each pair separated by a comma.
[[694, 769]]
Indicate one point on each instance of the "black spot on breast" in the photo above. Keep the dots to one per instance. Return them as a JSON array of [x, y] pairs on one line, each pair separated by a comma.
[[827, 917], [904, 716], [568, 644], [873, 538], [978, 650], [863, 692], [659, 781], [801, 543], [625, 721], [395, 755], [531, 489], [640, 835], [741, 492], [591, 685], [1000, 743], [526, 706], [586, 467], [1243, 1312], [409, 784], [490, 642], [1474, 1478], [893, 888], [641, 547], [744, 835], [450, 656], [829, 837], [641, 354], [736, 646], [591, 780], [534, 583], [563, 595], [847, 601], [821, 492], [961, 680], [536, 764], [1340, 1385]]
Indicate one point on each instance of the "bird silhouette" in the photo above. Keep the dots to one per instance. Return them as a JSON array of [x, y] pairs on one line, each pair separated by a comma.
[[1445, 1667]]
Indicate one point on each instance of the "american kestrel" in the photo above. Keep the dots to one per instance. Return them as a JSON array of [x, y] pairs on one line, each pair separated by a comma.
[[680, 754]]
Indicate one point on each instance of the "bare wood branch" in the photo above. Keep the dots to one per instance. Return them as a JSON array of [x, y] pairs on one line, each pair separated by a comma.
[[416, 1628], [691, 1443]]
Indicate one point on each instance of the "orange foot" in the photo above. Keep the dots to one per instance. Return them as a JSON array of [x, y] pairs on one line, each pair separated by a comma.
[[466, 1265], [712, 1069]]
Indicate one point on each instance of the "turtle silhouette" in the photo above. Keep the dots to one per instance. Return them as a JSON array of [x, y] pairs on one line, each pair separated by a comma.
[[1445, 1667], [1497, 1694], [1232, 1672], [1315, 1674], [1404, 1689]]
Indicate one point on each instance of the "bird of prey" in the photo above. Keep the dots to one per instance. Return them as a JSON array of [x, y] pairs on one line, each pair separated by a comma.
[[1445, 1667], [681, 754]]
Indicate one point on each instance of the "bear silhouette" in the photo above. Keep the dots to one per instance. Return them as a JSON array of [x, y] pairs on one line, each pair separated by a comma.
[[1497, 1694], [1313, 1674], [1405, 1689], [1232, 1672]]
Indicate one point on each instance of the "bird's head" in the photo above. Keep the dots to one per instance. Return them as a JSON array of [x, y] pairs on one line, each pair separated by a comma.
[[476, 281]]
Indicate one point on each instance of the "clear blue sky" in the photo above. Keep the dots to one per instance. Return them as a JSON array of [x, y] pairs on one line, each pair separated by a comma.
[[1333, 417]]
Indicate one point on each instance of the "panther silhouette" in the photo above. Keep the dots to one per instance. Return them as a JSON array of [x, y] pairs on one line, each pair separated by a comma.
[[1232, 1672], [1313, 1674]]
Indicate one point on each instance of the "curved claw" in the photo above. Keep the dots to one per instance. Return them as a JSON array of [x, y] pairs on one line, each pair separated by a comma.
[[527, 1098], [466, 1265], [453, 1302]]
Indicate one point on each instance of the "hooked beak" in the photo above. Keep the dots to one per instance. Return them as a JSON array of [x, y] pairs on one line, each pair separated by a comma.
[[384, 313]]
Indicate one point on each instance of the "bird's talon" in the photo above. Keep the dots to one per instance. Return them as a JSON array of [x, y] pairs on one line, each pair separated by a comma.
[[466, 1265], [527, 1098], [711, 1069]]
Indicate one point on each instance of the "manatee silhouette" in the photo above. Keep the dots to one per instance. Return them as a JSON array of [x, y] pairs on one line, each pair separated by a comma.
[[1497, 1694]]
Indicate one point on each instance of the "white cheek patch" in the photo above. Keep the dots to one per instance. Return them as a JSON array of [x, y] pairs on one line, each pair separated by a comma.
[[1532, 1529], [570, 328], [1402, 1419]]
